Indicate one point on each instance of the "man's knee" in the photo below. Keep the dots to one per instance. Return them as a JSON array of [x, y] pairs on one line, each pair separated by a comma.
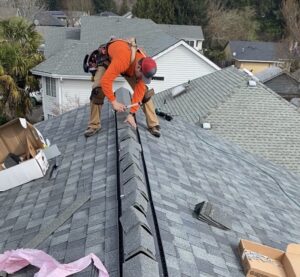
[[97, 96]]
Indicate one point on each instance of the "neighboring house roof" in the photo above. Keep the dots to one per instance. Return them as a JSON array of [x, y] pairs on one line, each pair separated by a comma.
[[269, 73], [185, 166], [183, 31], [67, 62], [256, 118], [54, 38], [258, 51], [47, 18], [108, 13], [96, 30]]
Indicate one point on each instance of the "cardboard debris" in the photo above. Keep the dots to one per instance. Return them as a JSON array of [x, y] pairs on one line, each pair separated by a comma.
[[19, 138], [263, 261]]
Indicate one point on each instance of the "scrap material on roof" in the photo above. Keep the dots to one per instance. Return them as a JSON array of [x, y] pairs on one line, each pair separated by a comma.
[[14, 260], [254, 117], [22, 158], [159, 182]]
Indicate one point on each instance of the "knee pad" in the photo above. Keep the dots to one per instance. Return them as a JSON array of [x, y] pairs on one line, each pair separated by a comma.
[[97, 96]]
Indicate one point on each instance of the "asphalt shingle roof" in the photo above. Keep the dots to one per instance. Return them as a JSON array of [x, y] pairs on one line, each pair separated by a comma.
[[183, 31], [188, 165], [256, 118], [184, 167], [48, 19], [268, 73], [85, 167], [257, 50], [97, 30], [68, 61]]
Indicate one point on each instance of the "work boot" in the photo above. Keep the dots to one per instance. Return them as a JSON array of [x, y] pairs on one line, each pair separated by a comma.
[[155, 131], [91, 131]]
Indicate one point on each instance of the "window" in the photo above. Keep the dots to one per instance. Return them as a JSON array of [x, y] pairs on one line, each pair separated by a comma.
[[50, 87], [190, 42]]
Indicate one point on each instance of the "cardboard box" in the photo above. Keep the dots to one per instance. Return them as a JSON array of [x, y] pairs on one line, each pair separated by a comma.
[[21, 138], [263, 261]]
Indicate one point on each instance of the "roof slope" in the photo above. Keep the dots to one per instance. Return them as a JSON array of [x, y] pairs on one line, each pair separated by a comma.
[[185, 166], [68, 61], [202, 95], [257, 50], [97, 30], [256, 118], [188, 165], [269, 73], [182, 31], [86, 167]]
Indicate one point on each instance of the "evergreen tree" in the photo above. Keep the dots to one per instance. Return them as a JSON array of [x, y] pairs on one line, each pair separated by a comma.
[[52, 5], [105, 5], [18, 54], [124, 8]]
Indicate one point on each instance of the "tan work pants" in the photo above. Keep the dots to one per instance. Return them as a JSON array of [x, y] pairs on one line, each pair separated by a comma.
[[95, 110]]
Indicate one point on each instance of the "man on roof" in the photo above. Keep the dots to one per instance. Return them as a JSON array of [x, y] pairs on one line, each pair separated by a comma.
[[122, 57]]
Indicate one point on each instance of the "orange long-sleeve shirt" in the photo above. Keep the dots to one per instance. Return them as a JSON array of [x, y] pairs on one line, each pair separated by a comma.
[[120, 55]]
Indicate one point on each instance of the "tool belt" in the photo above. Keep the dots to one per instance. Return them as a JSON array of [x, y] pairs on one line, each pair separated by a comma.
[[100, 57]]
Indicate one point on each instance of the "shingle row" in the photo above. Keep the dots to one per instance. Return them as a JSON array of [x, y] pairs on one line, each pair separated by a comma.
[[138, 239]]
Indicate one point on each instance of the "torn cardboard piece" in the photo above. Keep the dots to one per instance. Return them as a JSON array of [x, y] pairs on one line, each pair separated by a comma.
[[263, 261], [18, 138]]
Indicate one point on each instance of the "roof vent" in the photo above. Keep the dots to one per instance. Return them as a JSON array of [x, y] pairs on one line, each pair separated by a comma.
[[178, 90], [206, 125], [252, 83]]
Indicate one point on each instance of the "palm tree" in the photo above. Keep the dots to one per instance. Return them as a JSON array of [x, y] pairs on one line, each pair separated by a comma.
[[19, 44]]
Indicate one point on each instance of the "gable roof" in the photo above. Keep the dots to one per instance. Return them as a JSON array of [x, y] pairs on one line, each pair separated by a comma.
[[269, 73], [55, 38], [66, 62], [259, 51], [255, 118], [183, 31], [46, 18], [207, 168], [97, 30]]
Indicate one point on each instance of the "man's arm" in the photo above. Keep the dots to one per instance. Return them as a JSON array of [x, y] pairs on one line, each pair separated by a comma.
[[115, 68]]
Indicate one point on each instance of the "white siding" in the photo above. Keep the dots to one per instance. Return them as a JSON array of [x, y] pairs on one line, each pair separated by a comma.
[[49, 102], [179, 66], [75, 93]]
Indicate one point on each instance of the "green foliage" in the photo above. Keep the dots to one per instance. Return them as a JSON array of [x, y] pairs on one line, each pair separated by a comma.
[[105, 5], [124, 8], [189, 12], [18, 54], [160, 11]]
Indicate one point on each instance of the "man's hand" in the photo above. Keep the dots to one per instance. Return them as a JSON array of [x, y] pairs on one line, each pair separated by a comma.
[[119, 107], [131, 121]]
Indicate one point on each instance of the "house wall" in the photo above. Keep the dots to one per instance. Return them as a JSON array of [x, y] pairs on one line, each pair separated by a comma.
[[179, 66], [285, 86], [49, 102], [254, 67]]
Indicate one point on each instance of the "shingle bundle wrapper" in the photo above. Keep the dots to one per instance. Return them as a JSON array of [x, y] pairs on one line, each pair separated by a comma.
[[212, 215]]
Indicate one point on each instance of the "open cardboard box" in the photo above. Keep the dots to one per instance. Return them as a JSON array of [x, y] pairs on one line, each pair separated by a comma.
[[263, 261], [24, 140]]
